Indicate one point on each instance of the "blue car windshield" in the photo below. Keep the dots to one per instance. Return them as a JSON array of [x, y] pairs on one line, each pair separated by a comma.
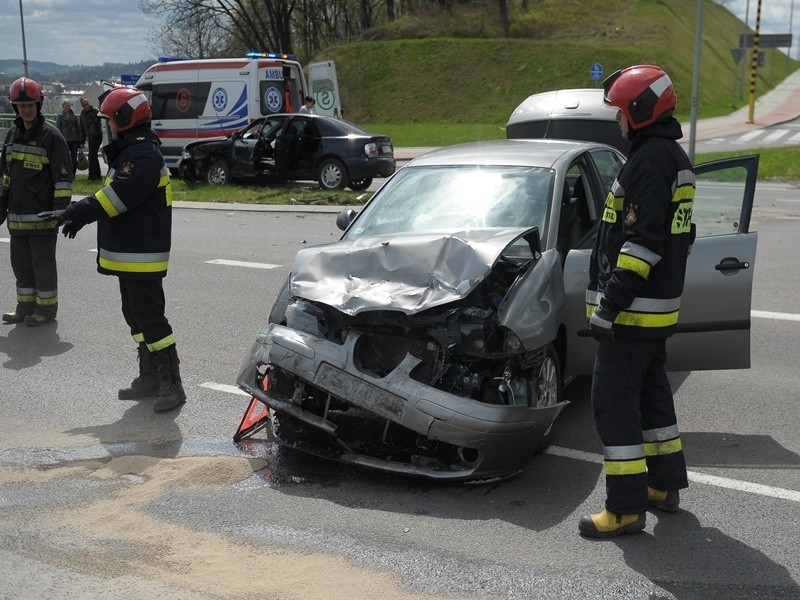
[[445, 199]]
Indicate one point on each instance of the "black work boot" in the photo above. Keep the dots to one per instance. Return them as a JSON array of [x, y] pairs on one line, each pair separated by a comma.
[[146, 383], [170, 388]]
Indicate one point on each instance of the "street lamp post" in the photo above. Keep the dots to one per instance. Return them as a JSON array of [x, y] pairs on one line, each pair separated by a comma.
[[24, 50]]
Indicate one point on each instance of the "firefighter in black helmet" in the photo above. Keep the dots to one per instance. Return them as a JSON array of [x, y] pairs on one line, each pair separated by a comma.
[[134, 233], [37, 174], [635, 284]]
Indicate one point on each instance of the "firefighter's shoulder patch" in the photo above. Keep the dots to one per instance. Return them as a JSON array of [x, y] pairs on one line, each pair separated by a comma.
[[126, 169]]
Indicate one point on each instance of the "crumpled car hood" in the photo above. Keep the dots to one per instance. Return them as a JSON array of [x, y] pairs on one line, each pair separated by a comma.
[[407, 274]]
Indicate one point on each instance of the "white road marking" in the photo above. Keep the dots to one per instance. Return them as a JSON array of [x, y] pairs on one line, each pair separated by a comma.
[[221, 387], [750, 135], [723, 482], [776, 135], [793, 140], [765, 314], [6, 240], [240, 263]]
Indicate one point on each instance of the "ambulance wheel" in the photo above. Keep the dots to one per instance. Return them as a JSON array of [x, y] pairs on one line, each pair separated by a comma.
[[219, 173], [360, 184], [331, 174]]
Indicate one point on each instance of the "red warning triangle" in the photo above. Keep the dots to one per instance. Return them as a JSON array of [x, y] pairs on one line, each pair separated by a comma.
[[255, 418]]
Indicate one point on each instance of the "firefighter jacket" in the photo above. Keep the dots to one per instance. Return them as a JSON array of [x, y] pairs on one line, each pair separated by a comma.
[[133, 210], [639, 258], [37, 176]]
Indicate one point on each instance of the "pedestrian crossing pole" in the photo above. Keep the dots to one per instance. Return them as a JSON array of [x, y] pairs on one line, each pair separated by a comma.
[[754, 67]]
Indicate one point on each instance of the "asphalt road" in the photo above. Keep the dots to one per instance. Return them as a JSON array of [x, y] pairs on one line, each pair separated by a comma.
[[103, 498]]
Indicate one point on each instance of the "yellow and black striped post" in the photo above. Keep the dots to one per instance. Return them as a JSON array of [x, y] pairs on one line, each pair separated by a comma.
[[754, 68]]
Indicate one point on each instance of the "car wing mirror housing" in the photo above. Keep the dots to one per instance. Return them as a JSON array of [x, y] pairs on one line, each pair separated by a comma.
[[344, 218]]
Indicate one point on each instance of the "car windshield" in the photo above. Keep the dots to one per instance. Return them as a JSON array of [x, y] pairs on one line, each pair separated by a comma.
[[444, 199]]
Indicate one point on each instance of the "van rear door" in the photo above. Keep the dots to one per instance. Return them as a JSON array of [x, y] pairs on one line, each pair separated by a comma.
[[325, 88], [177, 105]]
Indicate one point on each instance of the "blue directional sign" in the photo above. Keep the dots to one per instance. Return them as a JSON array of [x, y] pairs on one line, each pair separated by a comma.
[[129, 79], [596, 71]]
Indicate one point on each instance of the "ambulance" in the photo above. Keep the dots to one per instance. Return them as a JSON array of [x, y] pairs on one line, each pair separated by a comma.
[[198, 99]]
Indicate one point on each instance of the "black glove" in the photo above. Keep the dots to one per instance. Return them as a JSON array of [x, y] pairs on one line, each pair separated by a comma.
[[601, 323], [58, 215], [71, 229]]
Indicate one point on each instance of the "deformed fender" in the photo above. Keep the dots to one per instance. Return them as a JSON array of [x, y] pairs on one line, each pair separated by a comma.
[[535, 305]]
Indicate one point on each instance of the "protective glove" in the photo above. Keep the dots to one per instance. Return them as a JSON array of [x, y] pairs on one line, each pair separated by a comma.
[[71, 229], [601, 323], [58, 215]]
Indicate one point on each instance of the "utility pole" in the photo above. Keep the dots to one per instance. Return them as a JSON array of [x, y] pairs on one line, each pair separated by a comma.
[[24, 50], [754, 68], [698, 44]]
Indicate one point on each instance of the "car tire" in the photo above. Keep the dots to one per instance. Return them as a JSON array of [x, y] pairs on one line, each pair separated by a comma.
[[219, 173], [358, 185], [331, 174], [547, 387]]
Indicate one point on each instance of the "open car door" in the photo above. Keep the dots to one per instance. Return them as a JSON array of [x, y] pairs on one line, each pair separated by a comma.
[[714, 326]]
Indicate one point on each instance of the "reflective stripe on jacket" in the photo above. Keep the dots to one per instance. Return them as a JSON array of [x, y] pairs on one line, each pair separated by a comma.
[[639, 258]]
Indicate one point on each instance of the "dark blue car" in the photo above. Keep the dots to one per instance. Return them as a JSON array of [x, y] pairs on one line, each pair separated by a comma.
[[291, 147]]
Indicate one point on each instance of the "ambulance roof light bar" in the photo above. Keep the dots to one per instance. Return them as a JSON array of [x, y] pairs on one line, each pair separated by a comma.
[[256, 54]]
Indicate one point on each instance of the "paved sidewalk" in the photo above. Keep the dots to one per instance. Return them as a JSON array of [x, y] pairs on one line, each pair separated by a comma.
[[779, 105]]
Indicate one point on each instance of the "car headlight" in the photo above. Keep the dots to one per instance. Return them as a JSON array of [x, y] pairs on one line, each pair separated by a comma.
[[185, 155], [371, 149]]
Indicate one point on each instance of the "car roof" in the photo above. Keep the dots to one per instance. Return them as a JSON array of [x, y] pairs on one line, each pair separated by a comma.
[[546, 153], [585, 103]]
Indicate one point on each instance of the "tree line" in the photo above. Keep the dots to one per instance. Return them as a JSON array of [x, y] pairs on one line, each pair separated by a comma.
[[217, 28]]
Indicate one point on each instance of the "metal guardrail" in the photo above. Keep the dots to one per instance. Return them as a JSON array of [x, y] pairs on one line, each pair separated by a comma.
[[6, 119]]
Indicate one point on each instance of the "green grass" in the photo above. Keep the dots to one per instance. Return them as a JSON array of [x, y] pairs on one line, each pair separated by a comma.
[[295, 193]]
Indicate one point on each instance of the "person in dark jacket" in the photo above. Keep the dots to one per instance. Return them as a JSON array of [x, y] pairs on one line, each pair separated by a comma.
[[636, 280], [37, 176], [69, 127], [91, 130], [133, 211]]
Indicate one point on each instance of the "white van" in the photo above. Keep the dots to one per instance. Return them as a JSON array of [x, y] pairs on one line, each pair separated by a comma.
[[207, 98], [573, 114]]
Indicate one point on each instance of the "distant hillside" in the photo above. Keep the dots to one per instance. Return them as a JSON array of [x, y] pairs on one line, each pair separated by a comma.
[[48, 72], [481, 80]]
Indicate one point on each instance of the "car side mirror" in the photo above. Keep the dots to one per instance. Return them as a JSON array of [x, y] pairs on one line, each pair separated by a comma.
[[344, 218]]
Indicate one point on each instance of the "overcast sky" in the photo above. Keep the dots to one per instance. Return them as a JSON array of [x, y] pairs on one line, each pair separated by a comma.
[[91, 32]]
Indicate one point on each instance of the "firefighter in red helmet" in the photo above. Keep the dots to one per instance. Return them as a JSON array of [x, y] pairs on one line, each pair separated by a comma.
[[636, 279], [134, 233], [37, 173]]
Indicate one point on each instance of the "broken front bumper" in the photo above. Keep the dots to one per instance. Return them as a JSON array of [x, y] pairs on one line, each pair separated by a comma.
[[490, 440]]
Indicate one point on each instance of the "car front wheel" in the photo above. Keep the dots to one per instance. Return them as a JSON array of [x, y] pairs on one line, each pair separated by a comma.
[[360, 184], [546, 388], [331, 174], [219, 173]]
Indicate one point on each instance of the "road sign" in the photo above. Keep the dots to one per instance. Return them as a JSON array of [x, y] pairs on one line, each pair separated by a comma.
[[777, 40], [129, 79], [596, 71]]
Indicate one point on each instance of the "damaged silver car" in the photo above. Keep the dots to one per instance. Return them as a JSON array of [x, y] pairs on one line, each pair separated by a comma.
[[436, 337]]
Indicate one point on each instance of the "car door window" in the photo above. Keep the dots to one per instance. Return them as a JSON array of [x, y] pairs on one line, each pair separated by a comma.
[[608, 165], [718, 208]]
